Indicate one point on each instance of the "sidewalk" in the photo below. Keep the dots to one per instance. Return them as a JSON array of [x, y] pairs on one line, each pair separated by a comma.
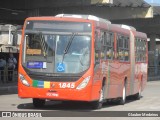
[[153, 78], [8, 88]]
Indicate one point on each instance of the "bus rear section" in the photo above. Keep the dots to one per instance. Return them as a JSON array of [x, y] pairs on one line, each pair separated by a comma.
[[141, 62], [56, 60]]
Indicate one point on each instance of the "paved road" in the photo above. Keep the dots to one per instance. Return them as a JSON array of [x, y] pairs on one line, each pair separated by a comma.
[[150, 101]]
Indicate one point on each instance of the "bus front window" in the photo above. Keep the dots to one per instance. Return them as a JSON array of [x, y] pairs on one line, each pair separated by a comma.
[[57, 53]]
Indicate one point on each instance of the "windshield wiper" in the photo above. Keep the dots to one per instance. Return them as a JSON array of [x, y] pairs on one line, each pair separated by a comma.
[[68, 45]]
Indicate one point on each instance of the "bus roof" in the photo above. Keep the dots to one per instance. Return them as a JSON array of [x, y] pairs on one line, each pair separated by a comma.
[[87, 17], [141, 35], [118, 29], [126, 27]]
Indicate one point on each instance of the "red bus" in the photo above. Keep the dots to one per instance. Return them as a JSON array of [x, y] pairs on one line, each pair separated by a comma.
[[81, 58]]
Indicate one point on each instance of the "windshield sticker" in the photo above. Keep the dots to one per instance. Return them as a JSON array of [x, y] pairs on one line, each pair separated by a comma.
[[41, 84], [35, 65], [44, 65], [60, 67], [47, 84], [35, 83]]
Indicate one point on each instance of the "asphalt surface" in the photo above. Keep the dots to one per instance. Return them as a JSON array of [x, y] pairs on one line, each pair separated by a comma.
[[150, 101]]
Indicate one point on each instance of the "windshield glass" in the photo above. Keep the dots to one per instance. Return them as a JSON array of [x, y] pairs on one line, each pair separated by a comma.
[[50, 52]]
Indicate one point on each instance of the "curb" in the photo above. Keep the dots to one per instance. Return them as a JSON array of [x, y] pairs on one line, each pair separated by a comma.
[[153, 78]]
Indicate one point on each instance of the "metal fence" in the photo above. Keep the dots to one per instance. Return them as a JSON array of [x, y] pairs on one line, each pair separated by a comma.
[[6, 74], [153, 71]]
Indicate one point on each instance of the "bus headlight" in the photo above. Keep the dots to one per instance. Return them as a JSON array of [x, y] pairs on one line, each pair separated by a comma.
[[23, 80], [84, 83]]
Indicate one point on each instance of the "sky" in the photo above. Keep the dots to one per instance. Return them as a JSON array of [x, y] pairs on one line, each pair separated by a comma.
[[153, 1]]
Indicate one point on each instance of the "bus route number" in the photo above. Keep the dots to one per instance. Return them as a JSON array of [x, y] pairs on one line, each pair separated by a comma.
[[67, 85]]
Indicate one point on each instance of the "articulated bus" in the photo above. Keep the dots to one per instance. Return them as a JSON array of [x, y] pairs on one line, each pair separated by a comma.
[[81, 58]]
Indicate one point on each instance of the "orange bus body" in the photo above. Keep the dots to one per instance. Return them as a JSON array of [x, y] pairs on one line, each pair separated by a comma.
[[112, 73]]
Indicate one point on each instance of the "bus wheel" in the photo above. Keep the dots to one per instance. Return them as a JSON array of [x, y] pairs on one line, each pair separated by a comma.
[[123, 98], [98, 104], [38, 102], [138, 95]]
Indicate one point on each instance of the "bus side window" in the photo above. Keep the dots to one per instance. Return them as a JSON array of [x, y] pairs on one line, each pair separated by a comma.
[[103, 42], [123, 48], [97, 47], [126, 48], [109, 45], [140, 50], [120, 43], [145, 50], [104, 46], [97, 41], [136, 48]]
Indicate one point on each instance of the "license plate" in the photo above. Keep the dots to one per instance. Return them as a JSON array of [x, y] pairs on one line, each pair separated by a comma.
[[52, 94]]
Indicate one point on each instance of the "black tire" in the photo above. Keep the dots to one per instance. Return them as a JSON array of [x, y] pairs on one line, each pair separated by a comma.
[[122, 100], [38, 103], [138, 95], [98, 104]]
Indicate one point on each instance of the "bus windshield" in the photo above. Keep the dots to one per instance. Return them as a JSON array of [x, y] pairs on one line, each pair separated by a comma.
[[51, 52]]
